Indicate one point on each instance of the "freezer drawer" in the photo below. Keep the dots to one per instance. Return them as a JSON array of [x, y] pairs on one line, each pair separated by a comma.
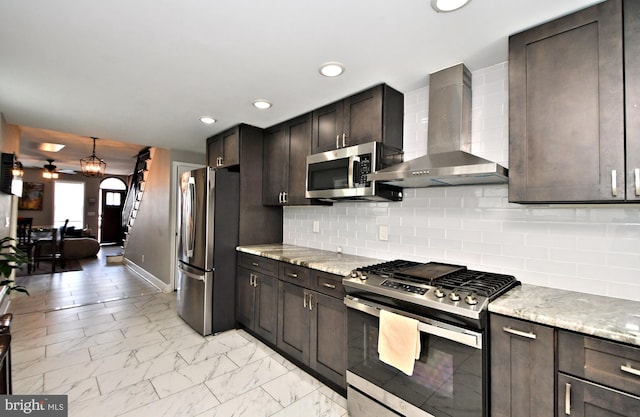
[[195, 297]]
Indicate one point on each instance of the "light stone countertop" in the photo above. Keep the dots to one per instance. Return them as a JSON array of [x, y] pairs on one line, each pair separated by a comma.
[[322, 260], [610, 318]]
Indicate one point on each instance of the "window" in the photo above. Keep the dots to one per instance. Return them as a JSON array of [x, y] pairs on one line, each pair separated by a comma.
[[112, 199], [68, 203]]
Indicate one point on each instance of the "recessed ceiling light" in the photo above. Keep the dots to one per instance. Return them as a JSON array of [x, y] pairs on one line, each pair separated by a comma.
[[207, 120], [262, 104], [50, 147], [448, 5], [331, 69]]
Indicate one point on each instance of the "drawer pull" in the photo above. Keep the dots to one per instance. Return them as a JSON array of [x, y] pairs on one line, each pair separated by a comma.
[[630, 370], [567, 399], [520, 333], [255, 264], [292, 275], [614, 183], [327, 285]]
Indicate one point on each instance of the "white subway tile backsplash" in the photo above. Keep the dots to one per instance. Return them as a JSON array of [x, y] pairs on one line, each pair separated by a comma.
[[588, 248]]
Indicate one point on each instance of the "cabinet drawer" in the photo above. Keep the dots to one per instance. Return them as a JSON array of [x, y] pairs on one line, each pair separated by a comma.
[[329, 284], [603, 362], [295, 274], [259, 264], [578, 398]]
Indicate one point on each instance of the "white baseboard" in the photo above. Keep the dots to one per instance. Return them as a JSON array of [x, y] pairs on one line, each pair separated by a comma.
[[153, 280]]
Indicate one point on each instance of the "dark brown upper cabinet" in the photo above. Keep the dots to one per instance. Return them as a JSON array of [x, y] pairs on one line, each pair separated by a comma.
[[223, 149], [286, 147], [568, 80], [374, 115]]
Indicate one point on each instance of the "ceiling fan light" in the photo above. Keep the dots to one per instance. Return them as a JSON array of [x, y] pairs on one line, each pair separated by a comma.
[[448, 5], [92, 166]]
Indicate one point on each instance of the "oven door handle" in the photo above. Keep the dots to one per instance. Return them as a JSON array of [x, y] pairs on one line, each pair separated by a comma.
[[456, 334]]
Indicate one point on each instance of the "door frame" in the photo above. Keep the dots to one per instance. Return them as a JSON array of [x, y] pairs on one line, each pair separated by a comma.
[[177, 169]]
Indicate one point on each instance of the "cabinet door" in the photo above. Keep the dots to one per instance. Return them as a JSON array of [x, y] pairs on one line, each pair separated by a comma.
[[231, 147], [293, 321], [522, 368], [566, 109], [327, 128], [363, 117], [329, 337], [632, 96], [578, 398], [244, 297], [299, 132], [275, 165], [266, 307], [214, 151]]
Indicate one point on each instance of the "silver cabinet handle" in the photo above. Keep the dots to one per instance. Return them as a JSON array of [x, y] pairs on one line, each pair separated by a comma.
[[337, 141], [520, 333], [255, 264], [284, 197], [304, 299], [310, 301], [327, 285], [567, 399], [636, 174], [630, 370], [614, 183], [292, 275], [344, 140], [252, 280]]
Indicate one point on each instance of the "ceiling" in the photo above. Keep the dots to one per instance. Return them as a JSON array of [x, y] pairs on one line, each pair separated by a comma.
[[138, 73]]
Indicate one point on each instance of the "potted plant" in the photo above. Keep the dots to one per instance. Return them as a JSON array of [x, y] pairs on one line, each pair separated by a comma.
[[11, 258]]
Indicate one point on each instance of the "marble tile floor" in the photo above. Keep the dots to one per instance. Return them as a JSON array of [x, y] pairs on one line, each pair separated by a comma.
[[115, 346]]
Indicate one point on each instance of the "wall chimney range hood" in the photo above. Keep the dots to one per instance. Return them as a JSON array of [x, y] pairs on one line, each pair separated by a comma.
[[448, 161]]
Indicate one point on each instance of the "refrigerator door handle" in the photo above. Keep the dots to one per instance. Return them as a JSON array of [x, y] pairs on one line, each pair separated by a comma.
[[189, 217]]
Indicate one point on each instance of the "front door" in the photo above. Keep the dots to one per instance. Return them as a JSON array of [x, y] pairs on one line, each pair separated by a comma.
[[111, 224]]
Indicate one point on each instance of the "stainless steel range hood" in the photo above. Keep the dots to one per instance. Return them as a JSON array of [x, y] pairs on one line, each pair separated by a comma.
[[448, 161]]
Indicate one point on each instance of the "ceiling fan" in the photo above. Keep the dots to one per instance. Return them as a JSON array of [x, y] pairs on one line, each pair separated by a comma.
[[50, 171]]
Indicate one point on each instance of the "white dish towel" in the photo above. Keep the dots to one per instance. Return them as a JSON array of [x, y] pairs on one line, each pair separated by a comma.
[[398, 341]]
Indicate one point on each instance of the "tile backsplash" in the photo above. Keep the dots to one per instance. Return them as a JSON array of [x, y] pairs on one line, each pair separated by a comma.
[[588, 248]]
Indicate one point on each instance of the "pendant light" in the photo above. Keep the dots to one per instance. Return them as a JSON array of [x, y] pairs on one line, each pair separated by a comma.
[[49, 170], [92, 166]]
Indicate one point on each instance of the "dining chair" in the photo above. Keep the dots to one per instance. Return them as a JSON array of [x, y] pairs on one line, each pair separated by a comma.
[[24, 238], [49, 249]]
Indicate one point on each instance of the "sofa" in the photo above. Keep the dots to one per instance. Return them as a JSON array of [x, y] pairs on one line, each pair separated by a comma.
[[80, 247]]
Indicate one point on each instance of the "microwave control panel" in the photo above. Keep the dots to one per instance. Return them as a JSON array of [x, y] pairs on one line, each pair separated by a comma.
[[365, 169]]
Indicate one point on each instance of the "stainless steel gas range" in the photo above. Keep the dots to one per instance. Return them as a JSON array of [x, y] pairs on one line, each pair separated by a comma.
[[450, 377]]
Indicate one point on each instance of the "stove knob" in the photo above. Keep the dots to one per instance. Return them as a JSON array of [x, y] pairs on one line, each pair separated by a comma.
[[363, 277], [454, 296], [354, 274], [439, 293], [471, 299]]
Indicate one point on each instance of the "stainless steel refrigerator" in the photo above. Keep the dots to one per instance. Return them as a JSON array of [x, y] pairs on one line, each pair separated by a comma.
[[209, 205]]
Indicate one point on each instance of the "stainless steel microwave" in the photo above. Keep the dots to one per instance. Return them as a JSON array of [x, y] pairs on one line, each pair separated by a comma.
[[341, 174]]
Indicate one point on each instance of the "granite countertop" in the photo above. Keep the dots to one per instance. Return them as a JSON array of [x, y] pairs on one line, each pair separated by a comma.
[[322, 260], [610, 318]]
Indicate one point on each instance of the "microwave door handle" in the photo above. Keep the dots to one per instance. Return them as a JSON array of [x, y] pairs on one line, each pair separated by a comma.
[[354, 164]]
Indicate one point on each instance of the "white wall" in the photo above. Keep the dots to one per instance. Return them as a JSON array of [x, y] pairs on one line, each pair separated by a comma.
[[587, 248]]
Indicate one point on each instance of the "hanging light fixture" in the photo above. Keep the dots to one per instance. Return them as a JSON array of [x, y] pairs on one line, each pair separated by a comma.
[[92, 166], [49, 171]]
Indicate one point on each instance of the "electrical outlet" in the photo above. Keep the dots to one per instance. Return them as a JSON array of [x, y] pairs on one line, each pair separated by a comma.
[[142, 258], [316, 226], [383, 232]]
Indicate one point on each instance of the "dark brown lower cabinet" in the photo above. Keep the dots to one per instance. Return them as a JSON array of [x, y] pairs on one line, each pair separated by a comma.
[[578, 398], [312, 330], [257, 303], [522, 368]]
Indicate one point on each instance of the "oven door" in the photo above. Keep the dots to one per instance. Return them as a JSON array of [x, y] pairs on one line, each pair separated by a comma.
[[447, 379]]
